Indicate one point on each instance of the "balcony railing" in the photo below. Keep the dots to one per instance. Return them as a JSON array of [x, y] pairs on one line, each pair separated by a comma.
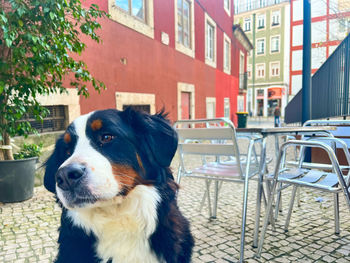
[[330, 88], [247, 5], [243, 81]]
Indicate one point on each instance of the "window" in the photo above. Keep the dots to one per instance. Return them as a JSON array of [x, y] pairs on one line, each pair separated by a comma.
[[260, 43], [261, 21], [260, 70], [247, 24], [248, 5], [275, 18], [210, 107], [261, 3], [227, 54], [135, 14], [138, 101], [184, 26], [183, 22], [56, 119], [227, 6], [210, 41], [249, 71], [274, 69], [275, 44], [135, 8], [227, 108]]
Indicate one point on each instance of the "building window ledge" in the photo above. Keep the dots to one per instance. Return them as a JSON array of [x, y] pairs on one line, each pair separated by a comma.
[[120, 16]]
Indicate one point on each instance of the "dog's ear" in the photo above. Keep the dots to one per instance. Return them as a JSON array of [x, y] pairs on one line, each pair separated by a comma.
[[155, 130], [52, 164]]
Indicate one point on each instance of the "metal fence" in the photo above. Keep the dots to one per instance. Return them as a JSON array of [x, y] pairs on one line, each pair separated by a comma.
[[330, 88]]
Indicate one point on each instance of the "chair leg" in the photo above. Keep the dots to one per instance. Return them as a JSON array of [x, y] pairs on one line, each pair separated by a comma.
[[207, 182], [295, 188], [205, 195], [178, 178], [216, 196], [336, 213], [244, 219], [298, 197], [260, 192], [278, 207]]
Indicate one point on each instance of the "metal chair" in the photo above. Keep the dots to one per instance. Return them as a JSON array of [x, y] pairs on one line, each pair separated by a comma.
[[312, 177], [339, 124], [202, 138]]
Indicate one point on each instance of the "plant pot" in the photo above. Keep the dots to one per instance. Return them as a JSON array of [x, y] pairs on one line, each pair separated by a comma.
[[17, 180]]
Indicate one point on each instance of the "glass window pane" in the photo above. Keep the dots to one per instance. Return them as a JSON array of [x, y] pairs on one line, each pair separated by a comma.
[[123, 4], [138, 9], [227, 4], [179, 33]]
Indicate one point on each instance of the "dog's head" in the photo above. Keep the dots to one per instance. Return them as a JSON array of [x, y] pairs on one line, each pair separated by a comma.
[[107, 153]]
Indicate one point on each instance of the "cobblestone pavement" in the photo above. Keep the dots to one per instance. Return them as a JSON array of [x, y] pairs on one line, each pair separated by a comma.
[[28, 230]]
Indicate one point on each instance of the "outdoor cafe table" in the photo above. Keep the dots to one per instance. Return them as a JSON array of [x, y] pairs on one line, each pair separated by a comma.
[[276, 132]]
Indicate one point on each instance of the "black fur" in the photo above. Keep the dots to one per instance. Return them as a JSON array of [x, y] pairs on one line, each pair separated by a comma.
[[155, 141]]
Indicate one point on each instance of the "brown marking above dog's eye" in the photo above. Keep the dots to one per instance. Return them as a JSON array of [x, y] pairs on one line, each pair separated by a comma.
[[67, 137], [96, 125]]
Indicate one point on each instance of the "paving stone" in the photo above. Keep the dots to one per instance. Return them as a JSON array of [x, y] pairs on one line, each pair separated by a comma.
[[28, 230]]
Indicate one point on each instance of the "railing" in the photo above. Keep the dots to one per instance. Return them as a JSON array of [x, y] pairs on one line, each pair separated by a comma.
[[243, 81], [330, 88], [248, 5]]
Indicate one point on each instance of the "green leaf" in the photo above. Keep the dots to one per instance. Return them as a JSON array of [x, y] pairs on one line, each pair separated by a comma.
[[2, 86], [20, 22], [8, 42], [52, 15]]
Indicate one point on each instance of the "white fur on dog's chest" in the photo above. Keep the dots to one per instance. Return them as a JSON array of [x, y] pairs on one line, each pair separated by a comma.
[[123, 226]]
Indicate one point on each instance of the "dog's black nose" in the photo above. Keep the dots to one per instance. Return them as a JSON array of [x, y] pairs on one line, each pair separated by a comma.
[[68, 176]]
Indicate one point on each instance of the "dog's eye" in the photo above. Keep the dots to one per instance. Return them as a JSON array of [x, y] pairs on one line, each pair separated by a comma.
[[106, 138]]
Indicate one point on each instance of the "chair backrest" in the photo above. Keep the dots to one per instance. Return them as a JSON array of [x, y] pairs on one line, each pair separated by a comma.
[[207, 137], [342, 132]]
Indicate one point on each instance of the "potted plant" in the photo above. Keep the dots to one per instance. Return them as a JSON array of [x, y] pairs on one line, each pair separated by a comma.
[[37, 41], [17, 176]]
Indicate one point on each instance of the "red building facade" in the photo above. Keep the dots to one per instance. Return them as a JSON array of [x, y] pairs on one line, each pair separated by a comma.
[[182, 55], [330, 24]]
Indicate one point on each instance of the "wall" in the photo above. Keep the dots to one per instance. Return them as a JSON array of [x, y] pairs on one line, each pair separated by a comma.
[[128, 61]]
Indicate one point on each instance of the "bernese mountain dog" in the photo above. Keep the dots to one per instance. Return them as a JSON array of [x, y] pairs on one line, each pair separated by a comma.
[[110, 173]]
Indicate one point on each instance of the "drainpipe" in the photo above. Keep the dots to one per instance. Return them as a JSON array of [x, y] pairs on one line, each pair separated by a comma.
[[306, 88]]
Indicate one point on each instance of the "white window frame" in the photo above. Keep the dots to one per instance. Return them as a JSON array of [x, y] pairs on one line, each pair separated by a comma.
[[145, 27], [279, 18], [209, 61], [227, 69], [247, 21], [130, 2], [135, 98], [189, 51], [208, 101], [249, 71], [279, 69], [279, 44], [257, 47], [261, 3], [228, 10], [257, 71], [227, 108], [258, 20]]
